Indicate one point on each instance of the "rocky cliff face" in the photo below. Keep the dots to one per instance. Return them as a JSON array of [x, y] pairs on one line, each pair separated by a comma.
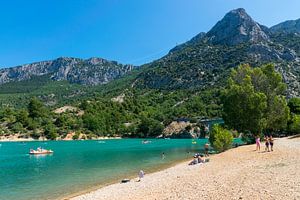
[[206, 60], [236, 27], [91, 71]]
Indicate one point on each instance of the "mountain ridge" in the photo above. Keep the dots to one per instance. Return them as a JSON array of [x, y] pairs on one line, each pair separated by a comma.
[[91, 71], [206, 59], [203, 62]]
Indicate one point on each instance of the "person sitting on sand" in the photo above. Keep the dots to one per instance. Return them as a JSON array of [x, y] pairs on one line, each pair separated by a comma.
[[257, 140], [271, 141], [195, 161], [267, 143], [201, 159]]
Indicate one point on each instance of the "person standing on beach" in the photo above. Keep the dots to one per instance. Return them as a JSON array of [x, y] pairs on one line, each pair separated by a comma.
[[257, 140], [206, 148], [141, 175], [267, 143], [271, 140]]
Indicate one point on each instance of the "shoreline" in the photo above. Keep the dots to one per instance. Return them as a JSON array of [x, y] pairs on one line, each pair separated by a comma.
[[46, 140], [117, 181], [239, 173]]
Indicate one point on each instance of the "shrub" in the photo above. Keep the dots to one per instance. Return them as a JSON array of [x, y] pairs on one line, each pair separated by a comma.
[[294, 127], [220, 138], [75, 137]]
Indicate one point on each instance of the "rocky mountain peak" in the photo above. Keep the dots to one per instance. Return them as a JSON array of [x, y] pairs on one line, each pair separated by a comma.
[[237, 27]]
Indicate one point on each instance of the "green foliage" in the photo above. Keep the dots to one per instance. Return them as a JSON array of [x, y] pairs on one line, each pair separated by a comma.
[[17, 127], [75, 137], [294, 126], [294, 105], [50, 132], [253, 100], [220, 138], [36, 108], [149, 128]]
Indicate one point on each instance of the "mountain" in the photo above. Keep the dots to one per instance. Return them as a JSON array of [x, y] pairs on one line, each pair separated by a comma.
[[206, 60], [93, 71], [202, 64], [290, 26], [235, 28]]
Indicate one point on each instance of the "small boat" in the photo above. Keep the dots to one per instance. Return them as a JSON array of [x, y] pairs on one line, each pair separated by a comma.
[[40, 151]]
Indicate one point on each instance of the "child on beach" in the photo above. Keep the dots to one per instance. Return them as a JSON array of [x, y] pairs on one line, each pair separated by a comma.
[[257, 140], [267, 143]]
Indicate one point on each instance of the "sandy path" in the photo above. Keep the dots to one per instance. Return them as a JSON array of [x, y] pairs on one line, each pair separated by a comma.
[[239, 173]]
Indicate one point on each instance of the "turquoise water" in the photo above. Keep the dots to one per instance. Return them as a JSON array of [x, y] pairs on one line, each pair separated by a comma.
[[79, 165]]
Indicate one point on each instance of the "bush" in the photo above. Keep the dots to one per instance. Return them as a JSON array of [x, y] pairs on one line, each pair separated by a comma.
[[294, 127], [75, 137], [220, 138]]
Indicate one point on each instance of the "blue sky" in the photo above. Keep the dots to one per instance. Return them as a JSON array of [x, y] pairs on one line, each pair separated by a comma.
[[128, 31]]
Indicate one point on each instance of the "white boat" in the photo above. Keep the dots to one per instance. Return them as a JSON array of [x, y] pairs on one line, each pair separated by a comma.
[[40, 151]]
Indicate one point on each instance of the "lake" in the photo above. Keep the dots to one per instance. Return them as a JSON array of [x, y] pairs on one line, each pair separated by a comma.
[[77, 166]]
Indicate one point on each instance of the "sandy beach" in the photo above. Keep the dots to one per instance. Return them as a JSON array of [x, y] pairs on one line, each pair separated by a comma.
[[239, 173]]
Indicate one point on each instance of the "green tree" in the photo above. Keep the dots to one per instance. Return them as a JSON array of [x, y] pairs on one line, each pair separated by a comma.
[[254, 101], [294, 105], [36, 108], [220, 138], [17, 127], [149, 128], [23, 117], [294, 127], [243, 107], [50, 132]]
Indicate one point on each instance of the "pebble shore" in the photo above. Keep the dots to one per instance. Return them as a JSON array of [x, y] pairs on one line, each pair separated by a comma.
[[240, 173]]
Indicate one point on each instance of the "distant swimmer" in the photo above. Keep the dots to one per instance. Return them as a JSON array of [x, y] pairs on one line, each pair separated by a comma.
[[163, 155]]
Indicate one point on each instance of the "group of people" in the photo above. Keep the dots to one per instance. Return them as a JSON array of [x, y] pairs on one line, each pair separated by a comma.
[[198, 158], [269, 143]]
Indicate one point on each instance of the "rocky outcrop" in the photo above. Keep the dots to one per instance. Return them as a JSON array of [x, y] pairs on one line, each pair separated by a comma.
[[93, 71], [235, 28]]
